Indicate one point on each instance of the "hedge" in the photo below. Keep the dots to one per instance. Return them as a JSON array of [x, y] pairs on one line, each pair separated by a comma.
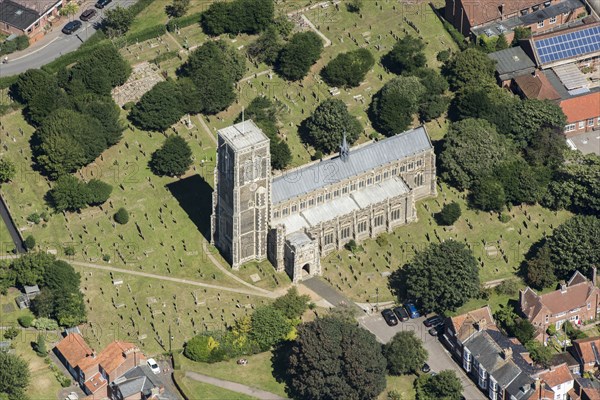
[[140, 6], [182, 22], [7, 81], [164, 57], [146, 34]]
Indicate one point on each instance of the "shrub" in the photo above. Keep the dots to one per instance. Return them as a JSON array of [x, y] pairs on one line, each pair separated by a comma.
[[351, 245], [121, 216], [106, 257], [29, 242], [11, 333], [382, 240], [551, 330], [25, 321], [45, 324], [40, 346], [318, 155], [504, 218], [22, 42], [449, 215], [199, 348], [128, 106], [34, 217], [69, 251], [443, 56], [509, 287]]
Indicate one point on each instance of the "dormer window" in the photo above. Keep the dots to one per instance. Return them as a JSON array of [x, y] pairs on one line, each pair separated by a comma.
[[524, 12], [535, 8]]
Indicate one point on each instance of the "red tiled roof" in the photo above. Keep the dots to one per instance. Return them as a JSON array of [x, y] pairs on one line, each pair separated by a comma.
[[584, 347], [557, 376], [74, 349], [575, 296], [481, 11], [536, 87], [112, 356], [463, 324], [95, 383], [581, 108]]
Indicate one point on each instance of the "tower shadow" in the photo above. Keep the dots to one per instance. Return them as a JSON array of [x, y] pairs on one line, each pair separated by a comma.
[[194, 195]]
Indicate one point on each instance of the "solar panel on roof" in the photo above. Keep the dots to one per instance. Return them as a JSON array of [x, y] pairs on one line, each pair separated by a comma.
[[568, 45]]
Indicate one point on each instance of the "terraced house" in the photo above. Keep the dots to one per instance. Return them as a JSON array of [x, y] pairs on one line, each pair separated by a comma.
[[577, 300], [295, 218]]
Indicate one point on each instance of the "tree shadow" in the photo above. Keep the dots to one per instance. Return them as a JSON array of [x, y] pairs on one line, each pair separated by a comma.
[[194, 195]]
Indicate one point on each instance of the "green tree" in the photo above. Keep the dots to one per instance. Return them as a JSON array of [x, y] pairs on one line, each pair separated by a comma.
[[14, 376], [547, 148], [7, 171], [540, 354], [405, 353], [29, 268], [117, 21], [433, 103], [531, 115], [348, 69], [69, 9], [159, 108], [449, 214], [32, 83], [121, 216], [576, 184], [239, 16], [520, 33], [269, 326], [69, 309], [99, 72], [394, 106], [488, 194], [406, 56], [540, 270], [60, 277], [98, 192], [25, 321], [292, 305], [178, 8], [200, 347], [298, 55], [326, 126], [501, 43], [470, 66], [173, 158], [354, 6], [472, 148], [59, 154], [68, 194], [29, 242], [40, 346], [106, 111], [523, 330], [267, 47], [575, 245], [334, 359], [521, 182], [443, 386], [442, 277]]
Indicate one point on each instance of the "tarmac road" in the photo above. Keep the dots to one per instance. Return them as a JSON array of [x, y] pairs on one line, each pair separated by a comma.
[[56, 43]]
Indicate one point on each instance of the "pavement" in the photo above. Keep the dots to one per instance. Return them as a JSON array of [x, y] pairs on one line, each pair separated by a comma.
[[12, 229], [56, 43], [439, 358], [328, 293], [234, 387]]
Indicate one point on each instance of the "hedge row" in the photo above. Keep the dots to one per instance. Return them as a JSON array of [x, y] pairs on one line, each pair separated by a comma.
[[140, 6], [182, 22], [7, 81], [455, 34], [145, 34]]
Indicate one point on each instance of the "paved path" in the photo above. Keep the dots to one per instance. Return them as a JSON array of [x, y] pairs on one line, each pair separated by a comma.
[[12, 229], [172, 279], [56, 43], [234, 387], [327, 292]]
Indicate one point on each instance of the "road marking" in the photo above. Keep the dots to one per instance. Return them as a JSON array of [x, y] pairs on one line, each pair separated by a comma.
[[36, 50]]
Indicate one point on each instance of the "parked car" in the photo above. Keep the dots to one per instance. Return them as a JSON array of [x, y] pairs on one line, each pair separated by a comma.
[[153, 365], [401, 314], [71, 27], [412, 310], [102, 3], [433, 321], [389, 317], [425, 368], [88, 14]]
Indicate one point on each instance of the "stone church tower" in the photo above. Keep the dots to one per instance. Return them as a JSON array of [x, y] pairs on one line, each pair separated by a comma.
[[241, 199]]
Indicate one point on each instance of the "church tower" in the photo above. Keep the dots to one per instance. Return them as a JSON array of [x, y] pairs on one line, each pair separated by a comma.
[[241, 199]]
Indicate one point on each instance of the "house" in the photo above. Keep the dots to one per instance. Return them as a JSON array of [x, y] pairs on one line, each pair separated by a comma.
[[583, 113], [500, 367], [139, 383], [587, 352], [94, 371], [576, 301], [494, 17], [558, 381], [585, 389], [28, 17], [567, 358], [29, 293]]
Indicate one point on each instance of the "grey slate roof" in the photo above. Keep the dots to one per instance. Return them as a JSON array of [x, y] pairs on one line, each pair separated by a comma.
[[554, 10], [31, 289], [512, 62], [361, 159], [17, 15], [137, 380]]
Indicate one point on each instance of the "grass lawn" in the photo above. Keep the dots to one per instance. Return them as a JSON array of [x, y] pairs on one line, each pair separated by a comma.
[[402, 384], [198, 390], [141, 310], [9, 311], [43, 384], [258, 373], [499, 247]]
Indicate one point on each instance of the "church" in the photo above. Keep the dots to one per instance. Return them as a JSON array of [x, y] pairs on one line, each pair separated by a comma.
[[298, 216]]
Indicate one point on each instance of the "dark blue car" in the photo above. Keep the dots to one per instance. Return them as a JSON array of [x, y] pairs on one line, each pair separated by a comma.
[[412, 310]]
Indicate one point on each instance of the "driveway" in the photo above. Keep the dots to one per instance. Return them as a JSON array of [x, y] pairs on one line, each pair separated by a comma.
[[56, 43], [439, 358]]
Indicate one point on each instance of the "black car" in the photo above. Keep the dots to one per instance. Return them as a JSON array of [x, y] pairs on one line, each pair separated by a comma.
[[433, 321], [88, 14], [102, 3], [401, 314], [71, 27], [425, 368], [389, 317]]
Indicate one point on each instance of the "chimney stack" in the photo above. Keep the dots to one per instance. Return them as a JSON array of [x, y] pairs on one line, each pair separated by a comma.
[[481, 324], [507, 353], [594, 275], [563, 287]]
